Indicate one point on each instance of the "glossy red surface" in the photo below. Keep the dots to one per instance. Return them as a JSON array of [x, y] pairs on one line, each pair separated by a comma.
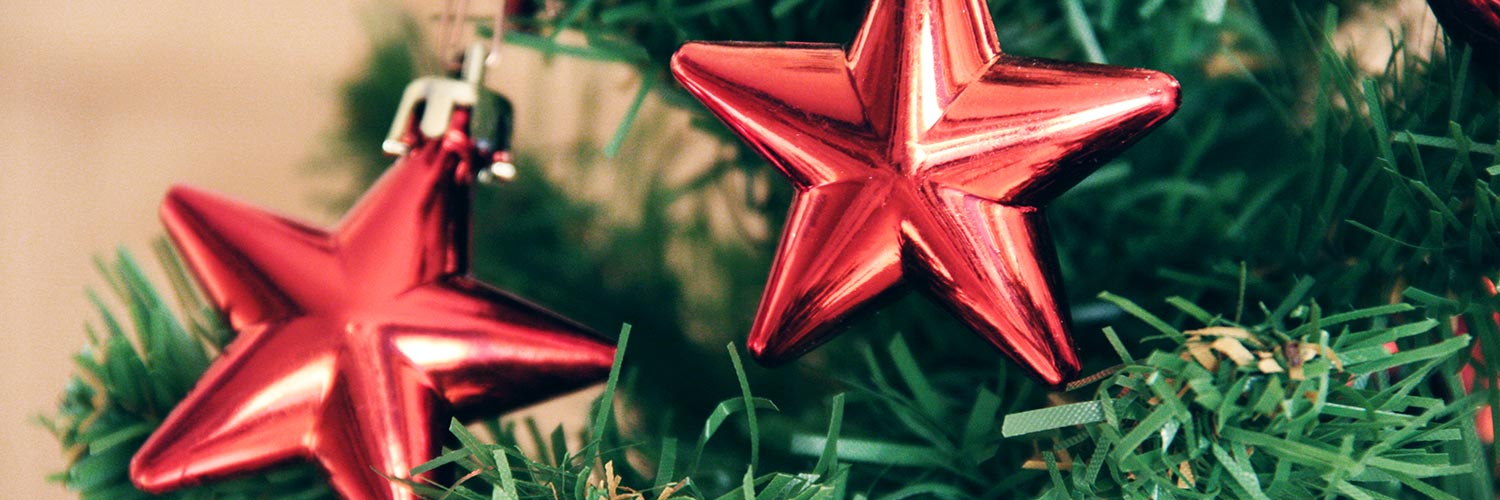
[[1484, 423], [921, 157], [1476, 22], [355, 346]]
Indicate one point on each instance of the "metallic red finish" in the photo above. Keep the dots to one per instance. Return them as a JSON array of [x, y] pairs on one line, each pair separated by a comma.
[[1476, 22], [921, 157], [357, 345], [1484, 423]]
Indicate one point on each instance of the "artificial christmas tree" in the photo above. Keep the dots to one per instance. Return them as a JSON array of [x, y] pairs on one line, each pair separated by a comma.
[[1233, 279]]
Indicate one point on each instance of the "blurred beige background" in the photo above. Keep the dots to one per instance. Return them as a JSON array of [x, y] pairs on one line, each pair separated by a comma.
[[107, 104]]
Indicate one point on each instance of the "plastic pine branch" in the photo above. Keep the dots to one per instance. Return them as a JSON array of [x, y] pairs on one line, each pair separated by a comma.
[[1320, 407], [132, 373]]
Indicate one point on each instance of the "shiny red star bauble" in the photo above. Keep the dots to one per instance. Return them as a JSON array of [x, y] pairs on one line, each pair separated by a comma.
[[356, 346], [1475, 22], [921, 157]]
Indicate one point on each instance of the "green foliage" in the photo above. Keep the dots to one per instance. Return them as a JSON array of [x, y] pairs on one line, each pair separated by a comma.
[[134, 372], [932, 456], [1306, 413], [1350, 423], [502, 471], [1318, 408]]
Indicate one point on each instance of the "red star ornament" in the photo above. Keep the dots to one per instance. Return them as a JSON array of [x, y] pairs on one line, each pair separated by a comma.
[[1475, 22], [922, 157], [355, 346]]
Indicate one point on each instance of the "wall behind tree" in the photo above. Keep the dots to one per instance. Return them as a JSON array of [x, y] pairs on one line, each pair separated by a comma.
[[109, 103]]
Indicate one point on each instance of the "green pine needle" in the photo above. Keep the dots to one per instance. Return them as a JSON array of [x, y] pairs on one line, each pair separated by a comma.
[[127, 381], [1292, 402]]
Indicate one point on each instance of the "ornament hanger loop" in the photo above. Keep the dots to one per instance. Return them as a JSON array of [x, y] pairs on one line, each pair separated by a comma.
[[441, 96], [462, 87]]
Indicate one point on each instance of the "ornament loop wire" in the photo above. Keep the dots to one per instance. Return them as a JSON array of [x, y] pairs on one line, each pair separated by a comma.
[[497, 36], [439, 96], [451, 18]]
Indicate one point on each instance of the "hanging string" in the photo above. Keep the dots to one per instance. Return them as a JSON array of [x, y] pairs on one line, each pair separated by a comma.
[[454, 13], [445, 24], [497, 36]]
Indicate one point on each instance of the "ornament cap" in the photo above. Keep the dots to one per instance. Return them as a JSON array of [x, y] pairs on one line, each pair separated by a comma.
[[437, 97]]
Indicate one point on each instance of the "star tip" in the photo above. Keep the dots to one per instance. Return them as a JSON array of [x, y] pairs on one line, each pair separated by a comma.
[[596, 352], [182, 200], [1057, 374], [175, 201], [756, 346], [1054, 377], [687, 49], [697, 61], [769, 360], [604, 359], [766, 355], [147, 477], [178, 190], [1167, 92], [683, 60], [181, 191]]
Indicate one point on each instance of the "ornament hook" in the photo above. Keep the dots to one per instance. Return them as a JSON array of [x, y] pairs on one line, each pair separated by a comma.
[[441, 96]]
